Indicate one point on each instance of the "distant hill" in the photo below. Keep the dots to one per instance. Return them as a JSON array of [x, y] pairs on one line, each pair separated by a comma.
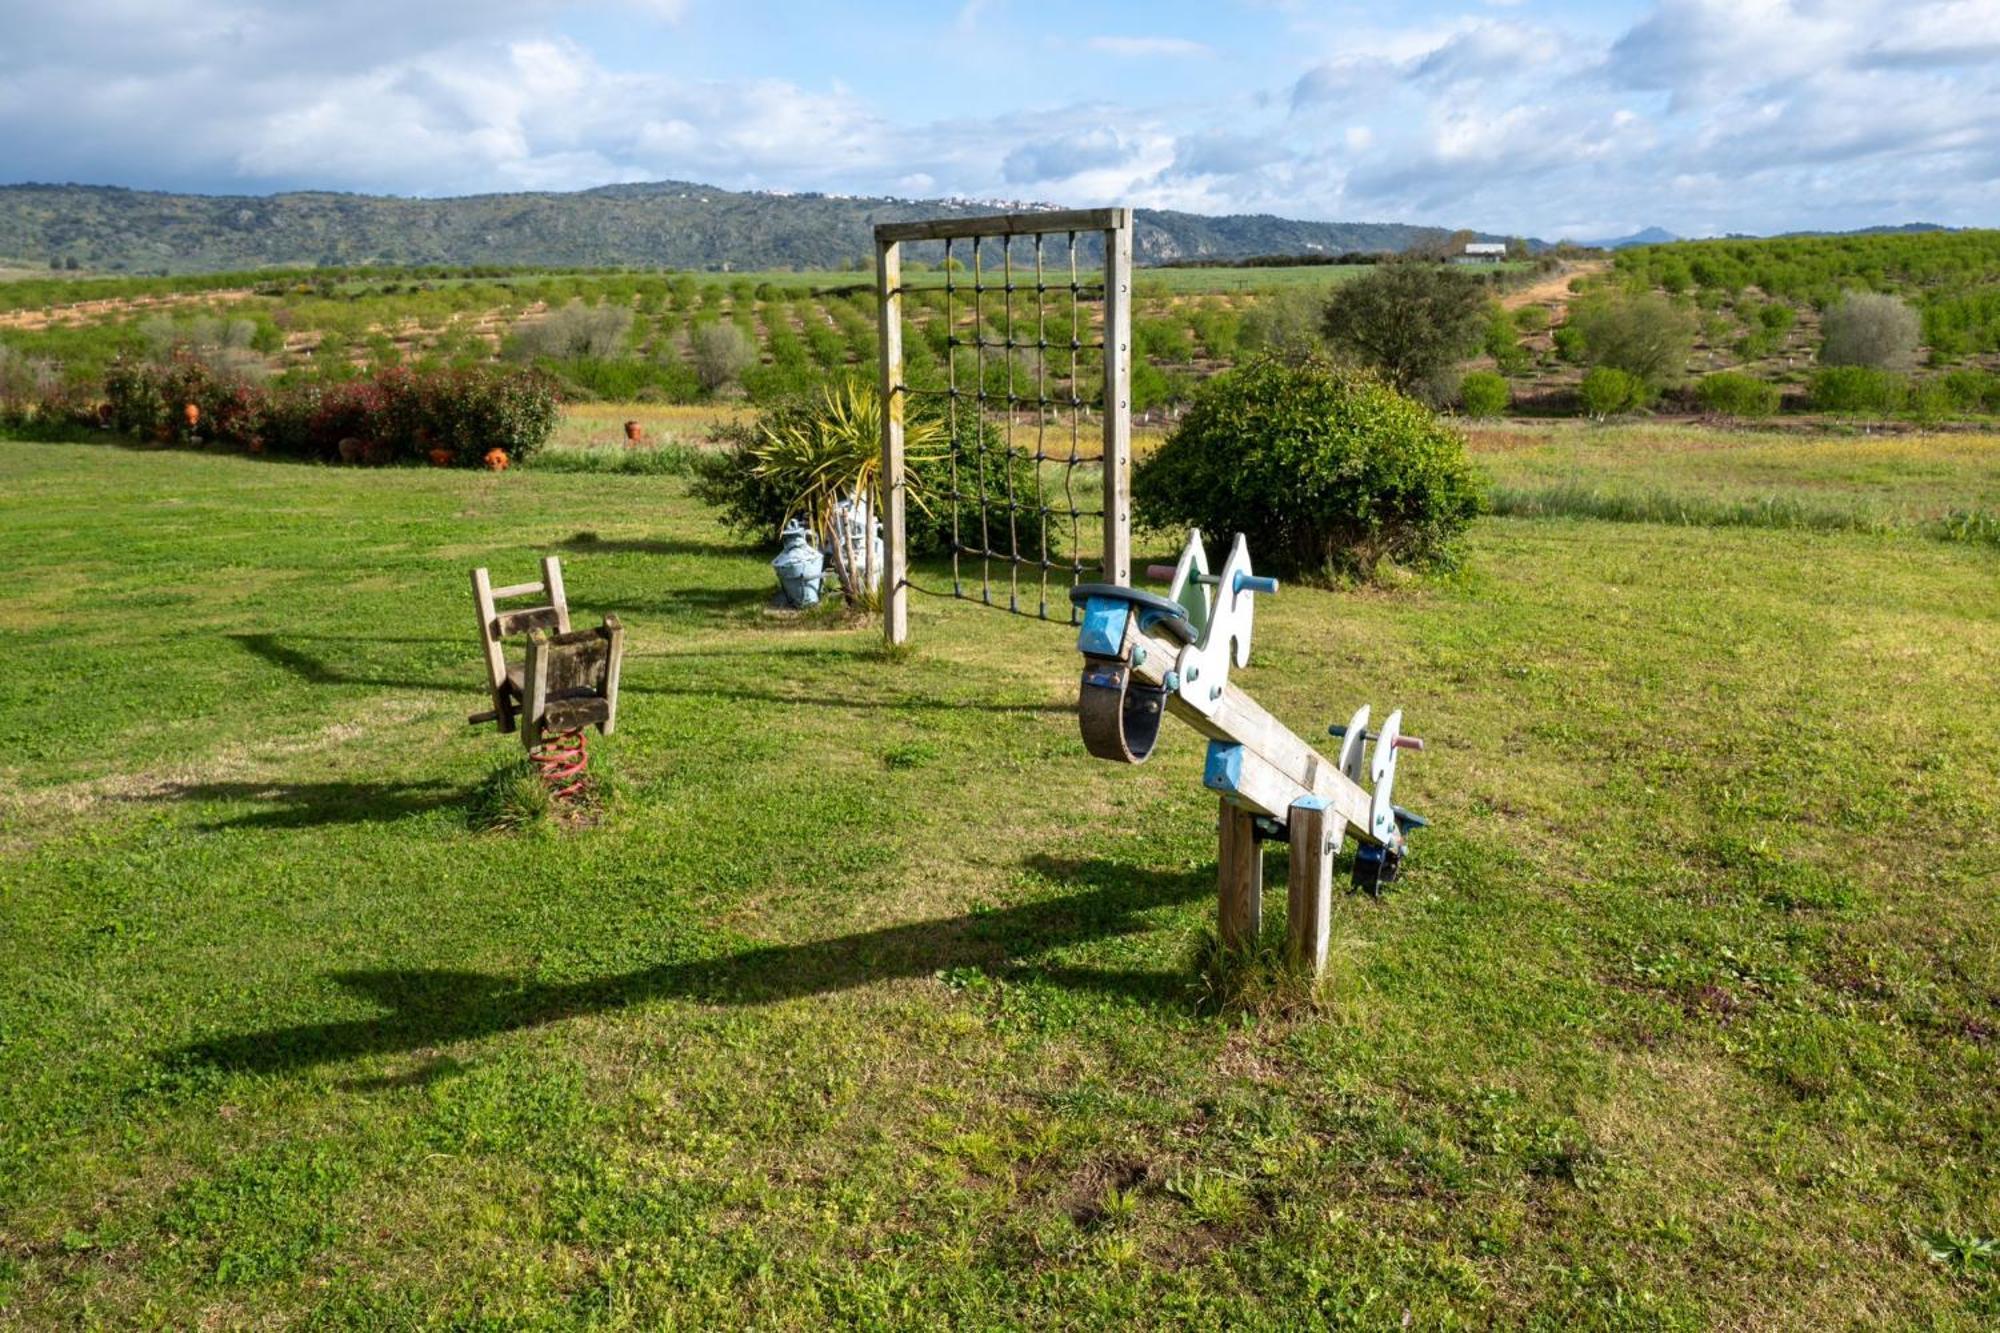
[[1650, 236], [1903, 229], [677, 224]]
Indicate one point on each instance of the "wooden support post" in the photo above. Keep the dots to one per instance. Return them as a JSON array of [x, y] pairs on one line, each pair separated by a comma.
[[1316, 833], [895, 583], [1239, 874], [1118, 399], [616, 630], [489, 643], [535, 688]]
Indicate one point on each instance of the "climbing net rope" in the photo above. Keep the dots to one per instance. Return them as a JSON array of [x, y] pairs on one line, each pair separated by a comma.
[[1006, 374]]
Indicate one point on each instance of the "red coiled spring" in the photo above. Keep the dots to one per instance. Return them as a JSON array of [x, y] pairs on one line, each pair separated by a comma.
[[562, 759]]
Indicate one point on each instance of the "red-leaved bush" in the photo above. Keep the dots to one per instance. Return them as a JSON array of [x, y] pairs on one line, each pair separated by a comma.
[[395, 415]]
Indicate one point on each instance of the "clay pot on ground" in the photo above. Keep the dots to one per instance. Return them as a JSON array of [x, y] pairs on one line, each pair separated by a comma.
[[495, 460], [634, 433], [440, 458], [193, 415]]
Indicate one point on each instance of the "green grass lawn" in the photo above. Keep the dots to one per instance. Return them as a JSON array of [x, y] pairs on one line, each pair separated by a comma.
[[868, 1001], [1945, 484]]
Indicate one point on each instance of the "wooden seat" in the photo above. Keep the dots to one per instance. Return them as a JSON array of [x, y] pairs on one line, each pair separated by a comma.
[[570, 681], [566, 680]]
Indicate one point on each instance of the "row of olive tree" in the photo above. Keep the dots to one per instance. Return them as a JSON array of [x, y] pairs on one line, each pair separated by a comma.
[[1415, 322]]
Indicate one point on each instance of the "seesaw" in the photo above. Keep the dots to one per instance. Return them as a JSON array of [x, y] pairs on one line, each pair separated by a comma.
[[1146, 656]]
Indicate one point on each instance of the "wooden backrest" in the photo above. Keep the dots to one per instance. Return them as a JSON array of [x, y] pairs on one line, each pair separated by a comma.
[[570, 681], [550, 613]]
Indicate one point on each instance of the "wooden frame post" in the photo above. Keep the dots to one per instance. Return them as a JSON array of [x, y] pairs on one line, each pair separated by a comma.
[[1316, 832], [1118, 399], [1114, 227], [895, 582], [1239, 876]]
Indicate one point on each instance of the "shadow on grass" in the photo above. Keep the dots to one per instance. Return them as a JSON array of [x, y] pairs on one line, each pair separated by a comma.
[[314, 804], [427, 1007], [585, 543], [678, 603], [281, 652]]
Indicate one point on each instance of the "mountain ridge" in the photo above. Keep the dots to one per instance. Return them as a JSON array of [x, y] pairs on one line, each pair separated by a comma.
[[676, 224]]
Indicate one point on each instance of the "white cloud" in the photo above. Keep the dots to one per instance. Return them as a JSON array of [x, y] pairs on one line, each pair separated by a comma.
[[1749, 114]]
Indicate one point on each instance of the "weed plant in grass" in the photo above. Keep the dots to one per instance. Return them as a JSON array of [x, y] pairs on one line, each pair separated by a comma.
[[868, 1002]]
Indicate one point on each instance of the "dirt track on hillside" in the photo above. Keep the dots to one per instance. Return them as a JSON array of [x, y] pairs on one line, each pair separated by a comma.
[[1554, 289]]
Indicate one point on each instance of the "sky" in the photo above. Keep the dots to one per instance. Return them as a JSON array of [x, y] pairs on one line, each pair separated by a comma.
[[1550, 120]]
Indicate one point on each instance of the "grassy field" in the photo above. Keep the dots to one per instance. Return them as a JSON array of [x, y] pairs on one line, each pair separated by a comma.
[[868, 1001], [1942, 484]]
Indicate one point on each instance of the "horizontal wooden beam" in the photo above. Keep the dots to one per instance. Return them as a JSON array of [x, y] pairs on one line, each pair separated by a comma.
[[1003, 224], [1278, 768]]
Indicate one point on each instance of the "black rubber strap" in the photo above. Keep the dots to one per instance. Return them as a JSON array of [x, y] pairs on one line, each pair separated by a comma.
[[1119, 713]]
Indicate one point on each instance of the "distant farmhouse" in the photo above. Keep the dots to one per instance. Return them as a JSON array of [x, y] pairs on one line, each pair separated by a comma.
[[1481, 252]]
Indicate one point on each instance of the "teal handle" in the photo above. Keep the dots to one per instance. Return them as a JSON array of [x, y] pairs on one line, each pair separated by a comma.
[[1255, 583]]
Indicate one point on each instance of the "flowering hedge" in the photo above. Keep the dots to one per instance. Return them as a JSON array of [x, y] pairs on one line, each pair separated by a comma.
[[447, 418]]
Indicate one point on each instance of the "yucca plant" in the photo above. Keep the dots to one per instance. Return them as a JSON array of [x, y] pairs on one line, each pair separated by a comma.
[[835, 455]]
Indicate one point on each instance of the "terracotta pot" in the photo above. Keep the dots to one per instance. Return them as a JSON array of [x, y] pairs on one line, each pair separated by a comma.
[[440, 458], [256, 445], [634, 434], [496, 460], [193, 415]]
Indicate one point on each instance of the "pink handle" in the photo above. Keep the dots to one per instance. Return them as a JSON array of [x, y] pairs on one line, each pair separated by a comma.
[[1164, 573], [1408, 743]]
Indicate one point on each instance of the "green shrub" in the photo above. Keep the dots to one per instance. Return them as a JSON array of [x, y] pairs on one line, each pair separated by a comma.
[[1858, 389], [721, 352], [1531, 318], [1285, 322], [1643, 334], [1503, 344], [576, 330], [755, 501], [780, 382], [1163, 340], [1930, 401], [1569, 343], [625, 379], [1408, 319], [1735, 394], [1324, 469], [1777, 318], [1153, 387], [1484, 394], [1973, 390], [1607, 391], [1871, 329]]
